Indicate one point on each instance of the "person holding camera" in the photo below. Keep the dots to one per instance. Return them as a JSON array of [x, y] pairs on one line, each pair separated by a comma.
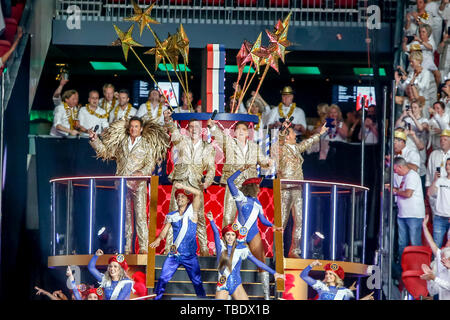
[[440, 190], [445, 95], [370, 127], [415, 18], [439, 121], [337, 130]]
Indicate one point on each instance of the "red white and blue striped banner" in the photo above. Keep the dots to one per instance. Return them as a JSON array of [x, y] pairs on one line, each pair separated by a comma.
[[215, 78]]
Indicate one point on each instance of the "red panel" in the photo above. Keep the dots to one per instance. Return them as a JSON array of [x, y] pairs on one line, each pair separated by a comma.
[[10, 29], [312, 3], [247, 3], [345, 3], [414, 256], [213, 2]]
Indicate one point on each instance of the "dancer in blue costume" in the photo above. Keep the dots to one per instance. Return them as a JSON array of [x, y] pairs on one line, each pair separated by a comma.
[[183, 251], [115, 282], [230, 254], [246, 222], [89, 294]]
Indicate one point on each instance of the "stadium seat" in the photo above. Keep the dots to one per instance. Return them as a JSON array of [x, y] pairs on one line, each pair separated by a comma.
[[180, 2], [312, 3], [16, 11], [10, 29], [5, 45], [212, 2], [279, 3], [345, 4], [414, 256], [247, 3], [413, 284]]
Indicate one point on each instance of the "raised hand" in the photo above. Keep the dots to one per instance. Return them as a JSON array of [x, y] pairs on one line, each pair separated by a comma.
[[99, 252], [209, 215]]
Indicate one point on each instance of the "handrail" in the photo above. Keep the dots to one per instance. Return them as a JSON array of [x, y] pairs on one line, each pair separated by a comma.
[[325, 183], [98, 177]]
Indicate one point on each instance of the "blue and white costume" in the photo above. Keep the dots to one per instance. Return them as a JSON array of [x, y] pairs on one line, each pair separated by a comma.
[[113, 290], [249, 210], [231, 280], [182, 252], [326, 292], [75, 291]]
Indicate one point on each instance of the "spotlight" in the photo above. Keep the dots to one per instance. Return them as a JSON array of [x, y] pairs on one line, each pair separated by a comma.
[[99, 233]]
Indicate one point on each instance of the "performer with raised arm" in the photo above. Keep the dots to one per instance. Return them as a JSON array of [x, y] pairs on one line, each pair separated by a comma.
[[115, 283], [246, 223], [135, 146], [183, 251], [239, 151], [290, 167], [195, 156], [89, 294], [230, 254]]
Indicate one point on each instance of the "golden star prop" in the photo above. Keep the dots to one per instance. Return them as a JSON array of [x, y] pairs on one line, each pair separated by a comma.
[[183, 44], [125, 40], [142, 16], [159, 51]]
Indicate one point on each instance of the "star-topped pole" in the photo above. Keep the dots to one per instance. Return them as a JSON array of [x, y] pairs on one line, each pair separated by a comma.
[[142, 16]]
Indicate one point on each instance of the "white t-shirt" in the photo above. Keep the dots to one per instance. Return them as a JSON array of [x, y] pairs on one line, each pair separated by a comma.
[[298, 114], [121, 113], [108, 105], [443, 197], [436, 159], [414, 206], [89, 121], [421, 135], [154, 112], [61, 117]]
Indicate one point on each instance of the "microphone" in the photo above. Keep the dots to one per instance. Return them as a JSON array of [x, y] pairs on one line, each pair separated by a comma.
[[213, 114], [204, 178]]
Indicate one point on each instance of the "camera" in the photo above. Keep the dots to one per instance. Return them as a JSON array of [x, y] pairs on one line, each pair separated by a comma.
[[408, 125], [409, 39], [438, 169], [407, 107]]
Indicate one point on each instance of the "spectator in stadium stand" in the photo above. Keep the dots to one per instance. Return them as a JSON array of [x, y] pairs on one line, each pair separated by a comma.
[[440, 190], [439, 121], [416, 128], [424, 43], [432, 7], [110, 98], [186, 101], [438, 278], [7, 54], [152, 108], [91, 116], [338, 132], [65, 119], [411, 206], [445, 95], [370, 127], [419, 81], [124, 109], [444, 55], [415, 18]]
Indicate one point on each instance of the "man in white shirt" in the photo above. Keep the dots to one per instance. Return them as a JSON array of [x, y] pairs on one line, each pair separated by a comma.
[[286, 109], [401, 149], [152, 108], [187, 101], [65, 119], [440, 190], [91, 116], [109, 100], [124, 110], [411, 206]]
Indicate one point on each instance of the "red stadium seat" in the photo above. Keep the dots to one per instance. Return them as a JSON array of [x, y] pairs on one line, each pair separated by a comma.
[[312, 3], [16, 11], [212, 2], [413, 284], [414, 256], [279, 3], [10, 29], [246, 3], [345, 3], [180, 2]]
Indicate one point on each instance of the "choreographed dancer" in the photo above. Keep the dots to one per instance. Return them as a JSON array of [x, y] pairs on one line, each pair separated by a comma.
[[115, 282], [89, 294], [183, 251], [246, 222], [230, 254]]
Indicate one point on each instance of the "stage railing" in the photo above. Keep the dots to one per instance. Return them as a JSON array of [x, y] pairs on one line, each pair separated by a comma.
[[334, 221], [253, 12]]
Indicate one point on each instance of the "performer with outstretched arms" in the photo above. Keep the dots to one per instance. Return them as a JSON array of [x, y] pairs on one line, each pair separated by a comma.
[[183, 251], [89, 294], [195, 156], [290, 167], [246, 222], [239, 151], [230, 254], [135, 146], [115, 282]]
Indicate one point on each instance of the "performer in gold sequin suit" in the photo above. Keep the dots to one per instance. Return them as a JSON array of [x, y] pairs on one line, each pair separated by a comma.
[[135, 146], [290, 167], [195, 156], [238, 151]]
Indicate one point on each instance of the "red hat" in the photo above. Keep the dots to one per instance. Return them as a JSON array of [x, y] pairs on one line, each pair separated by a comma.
[[252, 180], [120, 259], [182, 191], [98, 291], [228, 228], [336, 269]]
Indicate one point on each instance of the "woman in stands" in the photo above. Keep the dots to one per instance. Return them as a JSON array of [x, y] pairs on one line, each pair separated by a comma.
[[230, 254], [246, 223], [115, 282]]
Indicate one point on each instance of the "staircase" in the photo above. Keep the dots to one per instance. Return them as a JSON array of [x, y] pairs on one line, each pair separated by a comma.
[[180, 287]]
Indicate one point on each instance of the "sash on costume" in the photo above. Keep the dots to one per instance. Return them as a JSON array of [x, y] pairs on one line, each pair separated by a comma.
[[185, 223], [119, 287], [243, 229], [238, 254]]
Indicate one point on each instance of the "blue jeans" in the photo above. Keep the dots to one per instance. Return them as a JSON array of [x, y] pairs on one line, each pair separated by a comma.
[[440, 227], [409, 230]]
